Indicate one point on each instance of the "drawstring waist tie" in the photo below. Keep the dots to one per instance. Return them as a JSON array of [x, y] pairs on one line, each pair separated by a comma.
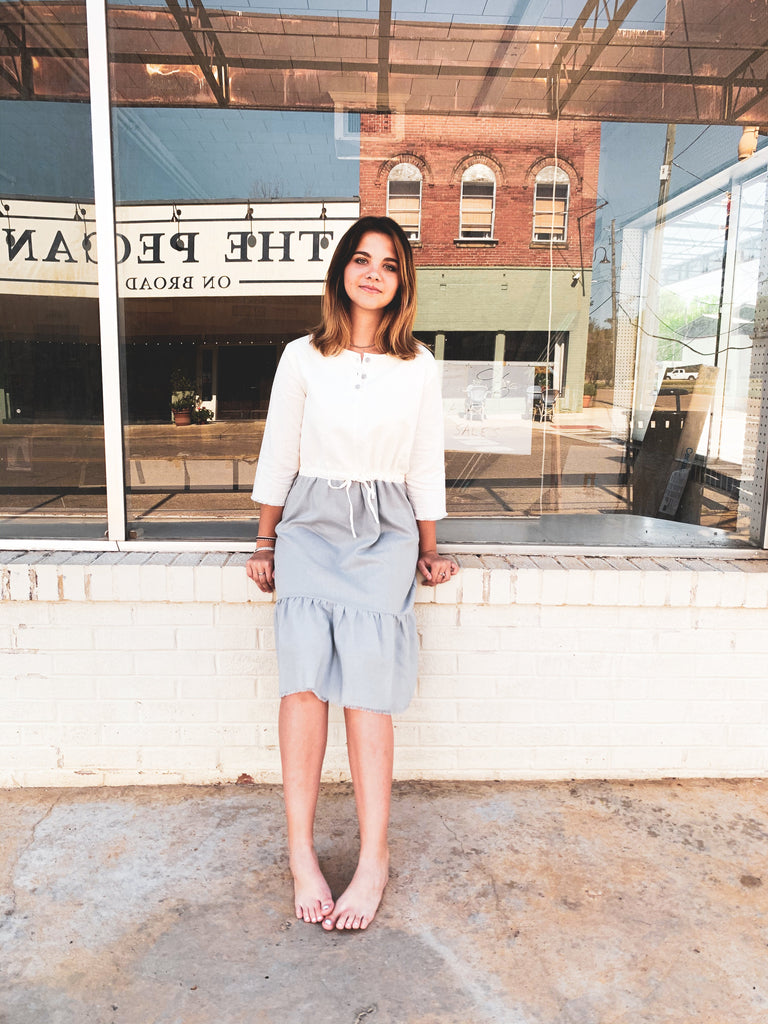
[[369, 490]]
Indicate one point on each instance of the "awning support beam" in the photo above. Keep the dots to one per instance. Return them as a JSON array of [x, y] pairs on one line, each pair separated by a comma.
[[731, 89], [385, 34], [556, 100], [22, 80], [209, 57]]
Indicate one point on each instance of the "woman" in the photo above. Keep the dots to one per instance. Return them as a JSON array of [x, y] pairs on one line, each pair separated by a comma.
[[351, 480]]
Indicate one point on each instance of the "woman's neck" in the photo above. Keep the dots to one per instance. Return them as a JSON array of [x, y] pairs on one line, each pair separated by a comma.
[[364, 324]]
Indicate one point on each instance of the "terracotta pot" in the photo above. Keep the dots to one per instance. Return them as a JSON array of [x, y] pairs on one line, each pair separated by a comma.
[[587, 400], [182, 417]]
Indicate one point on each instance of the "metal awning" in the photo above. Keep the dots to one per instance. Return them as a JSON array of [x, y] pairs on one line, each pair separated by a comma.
[[709, 63]]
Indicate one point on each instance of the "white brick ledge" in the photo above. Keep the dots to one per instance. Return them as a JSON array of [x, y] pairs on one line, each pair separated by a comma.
[[536, 579], [147, 667]]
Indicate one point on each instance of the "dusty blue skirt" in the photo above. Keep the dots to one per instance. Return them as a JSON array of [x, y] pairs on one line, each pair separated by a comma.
[[345, 575]]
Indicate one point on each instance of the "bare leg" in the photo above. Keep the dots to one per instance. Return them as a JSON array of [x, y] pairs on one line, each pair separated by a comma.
[[370, 741], [303, 730]]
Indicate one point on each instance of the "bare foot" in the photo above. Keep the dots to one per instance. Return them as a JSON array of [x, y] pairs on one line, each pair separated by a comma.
[[311, 892], [357, 906]]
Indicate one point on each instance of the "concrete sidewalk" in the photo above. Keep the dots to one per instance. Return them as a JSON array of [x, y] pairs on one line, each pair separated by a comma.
[[581, 903]]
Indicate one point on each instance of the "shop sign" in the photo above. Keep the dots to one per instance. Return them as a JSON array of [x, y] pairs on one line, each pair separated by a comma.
[[49, 248]]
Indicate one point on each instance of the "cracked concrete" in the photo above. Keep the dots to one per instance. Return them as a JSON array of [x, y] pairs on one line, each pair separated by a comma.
[[510, 903]]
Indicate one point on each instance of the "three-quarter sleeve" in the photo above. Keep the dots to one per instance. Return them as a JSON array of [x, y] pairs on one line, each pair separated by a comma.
[[425, 479], [278, 462]]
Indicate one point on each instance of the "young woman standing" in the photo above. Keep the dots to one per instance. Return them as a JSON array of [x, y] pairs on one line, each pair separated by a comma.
[[351, 480]]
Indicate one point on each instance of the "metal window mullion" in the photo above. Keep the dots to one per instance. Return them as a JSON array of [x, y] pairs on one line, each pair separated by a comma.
[[101, 136]]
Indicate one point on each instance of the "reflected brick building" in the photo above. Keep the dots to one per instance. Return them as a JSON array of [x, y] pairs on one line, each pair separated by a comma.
[[487, 203]]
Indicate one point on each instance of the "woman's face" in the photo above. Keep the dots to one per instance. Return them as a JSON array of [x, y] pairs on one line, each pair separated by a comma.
[[372, 276]]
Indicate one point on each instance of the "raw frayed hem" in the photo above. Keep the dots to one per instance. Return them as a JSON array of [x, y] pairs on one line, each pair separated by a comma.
[[350, 707]]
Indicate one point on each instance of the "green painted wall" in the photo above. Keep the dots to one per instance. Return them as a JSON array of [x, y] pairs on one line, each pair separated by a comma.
[[509, 299]]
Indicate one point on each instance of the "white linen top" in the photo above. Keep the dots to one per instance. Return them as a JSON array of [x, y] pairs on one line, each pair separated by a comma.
[[346, 418]]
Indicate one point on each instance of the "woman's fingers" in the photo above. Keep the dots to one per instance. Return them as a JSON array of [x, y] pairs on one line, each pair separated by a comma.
[[437, 570], [261, 570]]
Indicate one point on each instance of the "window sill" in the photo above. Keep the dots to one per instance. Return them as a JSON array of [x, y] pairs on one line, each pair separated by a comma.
[[647, 580], [479, 242], [546, 245]]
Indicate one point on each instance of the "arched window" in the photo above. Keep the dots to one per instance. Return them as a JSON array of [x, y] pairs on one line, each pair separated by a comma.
[[550, 205], [404, 198], [478, 196]]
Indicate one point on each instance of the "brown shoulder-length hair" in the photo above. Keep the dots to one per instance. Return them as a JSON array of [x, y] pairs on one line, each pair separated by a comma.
[[394, 334]]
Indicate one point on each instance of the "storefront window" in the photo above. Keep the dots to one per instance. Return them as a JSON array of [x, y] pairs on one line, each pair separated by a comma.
[[592, 282], [52, 478]]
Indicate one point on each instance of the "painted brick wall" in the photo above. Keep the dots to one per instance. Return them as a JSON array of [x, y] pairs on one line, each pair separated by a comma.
[[144, 668], [514, 147]]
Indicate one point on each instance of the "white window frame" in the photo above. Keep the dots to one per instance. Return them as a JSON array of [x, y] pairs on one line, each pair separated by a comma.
[[481, 173], [554, 176], [410, 173]]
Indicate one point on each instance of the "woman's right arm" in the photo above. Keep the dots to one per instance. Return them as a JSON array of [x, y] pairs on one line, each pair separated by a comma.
[[278, 463], [261, 565]]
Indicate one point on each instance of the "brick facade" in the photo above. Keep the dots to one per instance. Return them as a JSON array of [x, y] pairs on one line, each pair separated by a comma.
[[515, 149]]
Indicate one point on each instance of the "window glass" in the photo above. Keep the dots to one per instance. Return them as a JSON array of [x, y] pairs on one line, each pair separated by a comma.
[[221, 264], [478, 191], [52, 477], [404, 198], [550, 205], [599, 316]]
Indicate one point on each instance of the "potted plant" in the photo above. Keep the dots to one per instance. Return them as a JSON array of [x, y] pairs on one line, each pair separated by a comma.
[[200, 414], [183, 399], [590, 390]]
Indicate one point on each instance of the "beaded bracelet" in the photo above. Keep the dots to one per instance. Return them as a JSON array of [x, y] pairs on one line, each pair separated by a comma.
[[266, 538], [262, 549]]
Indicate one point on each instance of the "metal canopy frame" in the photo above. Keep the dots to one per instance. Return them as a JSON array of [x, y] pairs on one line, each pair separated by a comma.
[[573, 75], [705, 71], [18, 72], [208, 53]]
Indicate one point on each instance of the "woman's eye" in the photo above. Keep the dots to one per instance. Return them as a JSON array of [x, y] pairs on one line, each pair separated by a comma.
[[392, 270], [361, 260]]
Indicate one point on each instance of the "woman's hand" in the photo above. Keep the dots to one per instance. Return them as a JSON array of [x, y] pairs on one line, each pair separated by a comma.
[[436, 568], [261, 569]]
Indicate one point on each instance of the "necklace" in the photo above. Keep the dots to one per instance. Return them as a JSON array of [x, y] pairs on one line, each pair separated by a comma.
[[362, 347]]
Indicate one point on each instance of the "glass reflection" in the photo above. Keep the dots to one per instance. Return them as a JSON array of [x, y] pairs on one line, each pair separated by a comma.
[[51, 433], [574, 304], [213, 282]]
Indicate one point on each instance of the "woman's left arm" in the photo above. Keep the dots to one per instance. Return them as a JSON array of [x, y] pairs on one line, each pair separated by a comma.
[[434, 567]]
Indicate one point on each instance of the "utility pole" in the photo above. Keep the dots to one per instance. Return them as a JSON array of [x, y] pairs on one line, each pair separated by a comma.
[[614, 298], [665, 173]]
